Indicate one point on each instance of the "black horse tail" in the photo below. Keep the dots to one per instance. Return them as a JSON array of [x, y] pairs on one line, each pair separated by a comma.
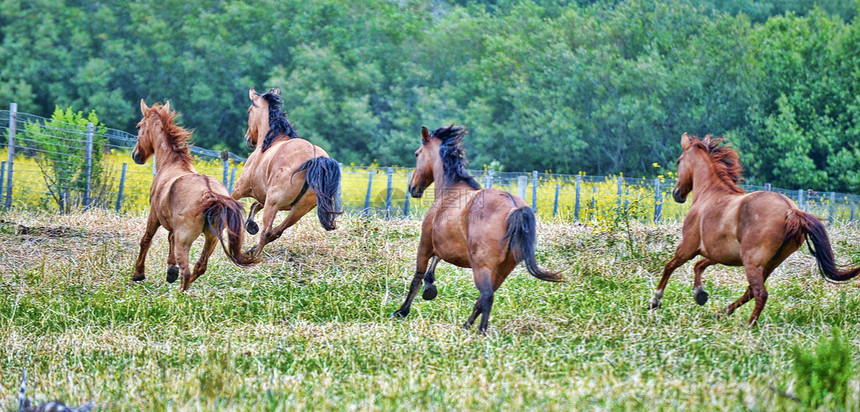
[[800, 223], [223, 212], [521, 235], [322, 175]]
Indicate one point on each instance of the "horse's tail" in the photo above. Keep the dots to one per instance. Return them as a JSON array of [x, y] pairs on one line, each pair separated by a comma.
[[223, 212], [521, 234], [799, 224], [322, 175]]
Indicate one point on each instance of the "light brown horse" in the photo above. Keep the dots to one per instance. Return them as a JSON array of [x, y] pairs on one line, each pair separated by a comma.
[[488, 230], [728, 226], [284, 172], [185, 202]]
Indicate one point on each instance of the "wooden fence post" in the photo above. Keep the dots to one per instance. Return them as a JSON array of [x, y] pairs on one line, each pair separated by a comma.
[[121, 188], [406, 198], [232, 179], [390, 172], [522, 181], [534, 190], [831, 213], [853, 207], [88, 172], [13, 114], [658, 201], [369, 188], [555, 202], [338, 195], [576, 202], [2, 176], [225, 166]]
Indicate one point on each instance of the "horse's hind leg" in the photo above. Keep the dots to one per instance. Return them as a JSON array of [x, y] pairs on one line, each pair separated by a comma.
[[208, 247], [172, 269], [484, 282], [756, 276], [731, 308], [429, 288], [250, 225], [140, 264], [182, 249], [698, 290]]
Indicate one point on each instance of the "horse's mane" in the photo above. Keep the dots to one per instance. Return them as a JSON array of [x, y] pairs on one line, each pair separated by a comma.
[[176, 136], [454, 155], [278, 123], [726, 161]]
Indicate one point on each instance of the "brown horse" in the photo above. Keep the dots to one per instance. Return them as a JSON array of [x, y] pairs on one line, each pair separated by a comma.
[[185, 202], [488, 230], [728, 226], [284, 172]]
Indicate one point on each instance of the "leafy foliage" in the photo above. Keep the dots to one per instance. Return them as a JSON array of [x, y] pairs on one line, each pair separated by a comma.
[[823, 376], [604, 87]]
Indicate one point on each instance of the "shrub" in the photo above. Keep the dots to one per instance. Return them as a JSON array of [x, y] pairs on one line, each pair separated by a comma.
[[822, 378]]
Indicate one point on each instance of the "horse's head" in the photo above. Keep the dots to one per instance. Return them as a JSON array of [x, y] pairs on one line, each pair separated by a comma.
[[684, 185], [146, 132], [425, 156], [258, 117]]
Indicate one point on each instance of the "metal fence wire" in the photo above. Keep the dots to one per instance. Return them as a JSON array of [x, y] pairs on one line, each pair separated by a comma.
[[61, 166]]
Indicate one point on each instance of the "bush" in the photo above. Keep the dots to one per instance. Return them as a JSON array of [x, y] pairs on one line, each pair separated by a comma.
[[822, 378]]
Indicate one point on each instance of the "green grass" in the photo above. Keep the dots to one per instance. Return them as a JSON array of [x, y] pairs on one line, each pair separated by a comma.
[[309, 328]]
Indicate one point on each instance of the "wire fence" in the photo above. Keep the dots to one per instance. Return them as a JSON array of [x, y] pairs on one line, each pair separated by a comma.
[[62, 166]]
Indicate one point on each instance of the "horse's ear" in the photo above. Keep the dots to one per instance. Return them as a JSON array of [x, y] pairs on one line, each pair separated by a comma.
[[425, 134], [167, 106], [252, 94], [685, 141], [275, 90], [143, 108]]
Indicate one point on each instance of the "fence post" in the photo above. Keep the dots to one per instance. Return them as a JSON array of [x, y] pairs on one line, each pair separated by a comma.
[[225, 165], [490, 183], [390, 172], [406, 198], [853, 206], [338, 195], [121, 188], [832, 209], [620, 195], [232, 179], [89, 166], [800, 198], [2, 176], [13, 114], [555, 202], [369, 188], [658, 201], [593, 198], [534, 190], [767, 187], [154, 170], [576, 203], [522, 181]]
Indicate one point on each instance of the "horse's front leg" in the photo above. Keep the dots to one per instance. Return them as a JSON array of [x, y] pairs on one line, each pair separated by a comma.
[[250, 225], [425, 252], [429, 278], [684, 252], [698, 290], [139, 265], [270, 210]]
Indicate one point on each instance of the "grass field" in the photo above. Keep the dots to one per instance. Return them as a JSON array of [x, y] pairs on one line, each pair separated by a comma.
[[309, 328]]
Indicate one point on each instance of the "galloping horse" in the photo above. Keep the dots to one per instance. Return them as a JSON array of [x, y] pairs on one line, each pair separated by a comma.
[[185, 202], [488, 230], [728, 226], [284, 172]]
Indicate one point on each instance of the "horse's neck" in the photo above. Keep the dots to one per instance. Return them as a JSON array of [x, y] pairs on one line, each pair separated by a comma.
[[706, 183]]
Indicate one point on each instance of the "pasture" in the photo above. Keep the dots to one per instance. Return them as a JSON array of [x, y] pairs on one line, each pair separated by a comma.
[[309, 327]]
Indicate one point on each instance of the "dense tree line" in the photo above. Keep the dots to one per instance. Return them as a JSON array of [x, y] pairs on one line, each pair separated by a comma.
[[563, 86]]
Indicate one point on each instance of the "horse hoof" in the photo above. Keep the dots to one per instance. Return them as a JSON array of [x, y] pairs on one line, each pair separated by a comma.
[[654, 306], [172, 273], [397, 314], [701, 297], [138, 278], [252, 227], [429, 292]]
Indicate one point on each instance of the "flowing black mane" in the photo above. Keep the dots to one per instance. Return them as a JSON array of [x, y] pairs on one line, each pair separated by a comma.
[[453, 155], [278, 123]]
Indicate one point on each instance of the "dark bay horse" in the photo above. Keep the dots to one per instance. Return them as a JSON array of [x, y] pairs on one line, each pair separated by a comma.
[[488, 230], [185, 202], [284, 172], [725, 225]]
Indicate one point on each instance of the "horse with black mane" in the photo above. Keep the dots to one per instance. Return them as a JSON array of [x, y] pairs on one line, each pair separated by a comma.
[[284, 172], [726, 225], [488, 230]]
